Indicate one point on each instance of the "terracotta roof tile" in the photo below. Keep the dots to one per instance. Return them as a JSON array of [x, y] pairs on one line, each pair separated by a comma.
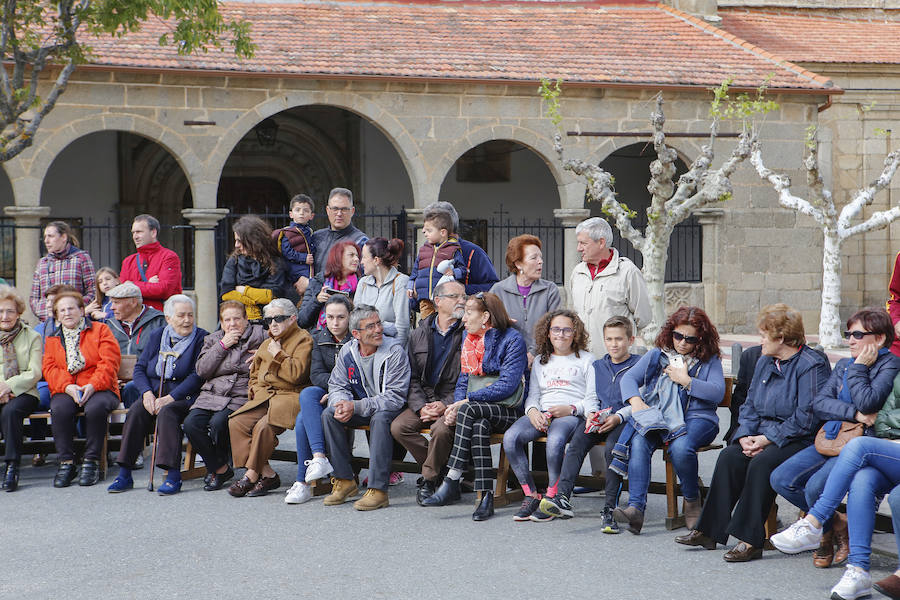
[[812, 37], [642, 44]]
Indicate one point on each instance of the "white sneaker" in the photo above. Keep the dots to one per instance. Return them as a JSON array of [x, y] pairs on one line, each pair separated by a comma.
[[298, 494], [855, 583], [799, 537], [317, 468]]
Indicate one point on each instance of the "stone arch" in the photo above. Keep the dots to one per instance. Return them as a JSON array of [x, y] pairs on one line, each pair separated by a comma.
[[540, 145], [175, 144], [392, 129]]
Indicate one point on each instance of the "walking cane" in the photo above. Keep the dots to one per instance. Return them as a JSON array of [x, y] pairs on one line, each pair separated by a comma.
[[162, 380]]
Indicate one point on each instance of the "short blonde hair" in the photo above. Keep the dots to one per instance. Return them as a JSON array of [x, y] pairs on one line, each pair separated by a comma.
[[780, 321], [7, 292]]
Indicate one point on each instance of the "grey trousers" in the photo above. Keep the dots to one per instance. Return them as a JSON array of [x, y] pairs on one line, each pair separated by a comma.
[[339, 441]]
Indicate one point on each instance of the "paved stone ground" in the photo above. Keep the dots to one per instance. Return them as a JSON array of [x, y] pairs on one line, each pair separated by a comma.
[[84, 543]]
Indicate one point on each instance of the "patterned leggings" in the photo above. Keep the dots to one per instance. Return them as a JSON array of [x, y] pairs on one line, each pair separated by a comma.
[[474, 424]]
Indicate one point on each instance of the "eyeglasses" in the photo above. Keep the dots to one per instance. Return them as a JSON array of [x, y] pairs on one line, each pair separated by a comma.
[[562, 331], [690, 339], [451, 296], [372, 326], [277, 318], [340, 209], [857, 334]]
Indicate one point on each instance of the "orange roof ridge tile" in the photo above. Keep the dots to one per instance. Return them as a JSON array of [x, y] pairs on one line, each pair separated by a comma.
[[761, 52]]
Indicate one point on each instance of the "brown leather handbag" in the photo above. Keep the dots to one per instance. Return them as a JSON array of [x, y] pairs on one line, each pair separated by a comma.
[[848, 431]]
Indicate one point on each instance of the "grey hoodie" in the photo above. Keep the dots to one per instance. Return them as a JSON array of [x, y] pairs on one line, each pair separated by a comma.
[[391, 385]]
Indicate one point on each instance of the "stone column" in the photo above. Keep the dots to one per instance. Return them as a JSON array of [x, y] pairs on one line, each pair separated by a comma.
[[28, 249], [570, 217], [416, 217], [713, 292], [204, 221]]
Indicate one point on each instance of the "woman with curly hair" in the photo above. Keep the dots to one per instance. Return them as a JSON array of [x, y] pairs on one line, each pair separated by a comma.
[[682, 385], [561, 387], [254, 273], [340, 276]]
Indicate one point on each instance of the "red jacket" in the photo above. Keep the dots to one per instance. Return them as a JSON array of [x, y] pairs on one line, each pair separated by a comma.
[[101, 360], [157, 261], [893, 303]]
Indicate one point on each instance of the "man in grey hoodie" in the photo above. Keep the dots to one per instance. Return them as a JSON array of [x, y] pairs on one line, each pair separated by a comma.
[[368, 386]]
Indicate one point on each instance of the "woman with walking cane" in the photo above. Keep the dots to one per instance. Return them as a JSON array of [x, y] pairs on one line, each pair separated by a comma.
[[168, 384]]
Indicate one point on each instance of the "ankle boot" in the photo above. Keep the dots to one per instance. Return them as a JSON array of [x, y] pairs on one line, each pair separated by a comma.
[[11, 477], [691, 513], [485, 508], [447, 493]]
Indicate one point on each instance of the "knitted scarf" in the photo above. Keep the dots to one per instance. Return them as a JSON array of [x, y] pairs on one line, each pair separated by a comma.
[[10, 362]]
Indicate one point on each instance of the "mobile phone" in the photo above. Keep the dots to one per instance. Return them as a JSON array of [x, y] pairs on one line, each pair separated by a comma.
[[332, 291], [78, 396], [677, 361]]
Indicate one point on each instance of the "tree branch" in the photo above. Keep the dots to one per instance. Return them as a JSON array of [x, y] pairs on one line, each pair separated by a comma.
[[866, 196], [782, 185]]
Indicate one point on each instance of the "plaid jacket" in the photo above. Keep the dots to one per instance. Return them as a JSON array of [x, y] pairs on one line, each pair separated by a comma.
[[76, 269]]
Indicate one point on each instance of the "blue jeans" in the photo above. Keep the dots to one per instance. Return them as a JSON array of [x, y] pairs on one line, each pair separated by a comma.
[[130, 394], [682, 453], [801, 478], [868, 468], [516, 439], [308, 428]]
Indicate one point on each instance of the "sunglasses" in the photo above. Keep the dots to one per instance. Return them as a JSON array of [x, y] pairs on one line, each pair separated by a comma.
[[690, 339], [857, 334], [276, 318]]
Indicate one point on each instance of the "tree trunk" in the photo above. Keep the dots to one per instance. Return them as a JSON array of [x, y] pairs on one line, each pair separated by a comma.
[[830, 317], [655, 256]]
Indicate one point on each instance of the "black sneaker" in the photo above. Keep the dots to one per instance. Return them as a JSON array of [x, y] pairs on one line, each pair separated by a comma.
[[538, 516], [557, 506], [608, 523], [529, 505]]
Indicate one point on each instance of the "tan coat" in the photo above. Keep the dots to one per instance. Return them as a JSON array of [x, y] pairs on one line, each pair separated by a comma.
[[278, 380]]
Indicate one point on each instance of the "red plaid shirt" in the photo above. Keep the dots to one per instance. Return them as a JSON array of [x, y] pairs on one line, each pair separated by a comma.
[[75, 268]]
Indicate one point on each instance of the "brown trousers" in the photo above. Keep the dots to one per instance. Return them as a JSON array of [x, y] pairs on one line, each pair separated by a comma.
[[431, 455], [252, 438]]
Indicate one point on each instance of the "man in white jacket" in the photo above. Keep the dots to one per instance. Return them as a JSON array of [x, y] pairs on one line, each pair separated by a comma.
[[604, 284]]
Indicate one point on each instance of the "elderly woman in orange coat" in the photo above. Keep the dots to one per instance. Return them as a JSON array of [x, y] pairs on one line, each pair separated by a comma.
[[81, 366], [280, 370]]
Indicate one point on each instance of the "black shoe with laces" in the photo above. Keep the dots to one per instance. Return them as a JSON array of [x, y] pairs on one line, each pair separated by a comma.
[[608, 523], [529, 505]]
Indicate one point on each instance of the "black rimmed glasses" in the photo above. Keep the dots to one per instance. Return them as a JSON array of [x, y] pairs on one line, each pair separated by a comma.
[[690, 339]]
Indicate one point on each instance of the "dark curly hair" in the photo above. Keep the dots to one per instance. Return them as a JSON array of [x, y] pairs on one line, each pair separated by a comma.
[[707, 347], [256, 240], [542, 334]]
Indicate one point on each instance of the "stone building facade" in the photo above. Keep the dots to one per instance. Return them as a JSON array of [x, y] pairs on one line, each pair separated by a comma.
[[205, 118]]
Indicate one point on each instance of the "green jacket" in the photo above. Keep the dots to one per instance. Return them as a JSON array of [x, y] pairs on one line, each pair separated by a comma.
[[887, 425], [28, 354]]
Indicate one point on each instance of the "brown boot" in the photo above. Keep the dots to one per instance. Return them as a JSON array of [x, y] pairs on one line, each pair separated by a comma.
[[823, 557], [841, 538], [341, 491], [691, 513], [373, 499]]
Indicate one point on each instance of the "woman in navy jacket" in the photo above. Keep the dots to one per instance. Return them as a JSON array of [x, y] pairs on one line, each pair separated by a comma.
[[855, 392], [182, 341], [776, 422], [684, 367], [491, 347]]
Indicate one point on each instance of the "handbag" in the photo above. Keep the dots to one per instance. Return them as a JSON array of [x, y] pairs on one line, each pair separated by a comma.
[[477, 382], [848, 431]]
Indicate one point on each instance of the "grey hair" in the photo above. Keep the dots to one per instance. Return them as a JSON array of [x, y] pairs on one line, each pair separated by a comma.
[[442, 207], [597, 229], [360, 313], [169, 306], [441, 287], [151, 221], [283, 304], [339, 191]]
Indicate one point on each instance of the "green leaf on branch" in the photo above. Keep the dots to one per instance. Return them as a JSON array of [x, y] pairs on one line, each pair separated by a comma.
[[550, 91], [742, 107]]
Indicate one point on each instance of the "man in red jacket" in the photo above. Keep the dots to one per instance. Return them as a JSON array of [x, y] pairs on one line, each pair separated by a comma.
[[154, 269]]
